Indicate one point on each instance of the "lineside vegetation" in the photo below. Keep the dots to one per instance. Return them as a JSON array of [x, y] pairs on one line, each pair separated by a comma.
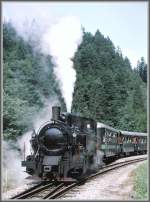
[[141, 182]]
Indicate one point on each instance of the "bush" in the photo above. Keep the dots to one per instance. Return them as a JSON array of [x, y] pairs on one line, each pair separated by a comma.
[[141, 182]]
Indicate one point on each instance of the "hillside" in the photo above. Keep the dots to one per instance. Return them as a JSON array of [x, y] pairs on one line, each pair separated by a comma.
[[107, 89], [29, 82]]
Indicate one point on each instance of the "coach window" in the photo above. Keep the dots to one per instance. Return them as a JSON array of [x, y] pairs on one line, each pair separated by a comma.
[[134, 140], [110, 137], [140, 139], [113, 137], [88, 126], [129, 139], [119, 138], [104, 139]]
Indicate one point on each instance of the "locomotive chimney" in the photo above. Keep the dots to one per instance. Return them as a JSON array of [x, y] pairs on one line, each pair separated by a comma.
[[55, 112]]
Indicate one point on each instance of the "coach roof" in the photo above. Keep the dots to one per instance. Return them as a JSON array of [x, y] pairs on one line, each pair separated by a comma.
[[133, 133], [102, 125]]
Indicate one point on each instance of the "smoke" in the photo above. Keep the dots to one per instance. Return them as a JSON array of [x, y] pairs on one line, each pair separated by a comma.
[[55, 36], [97, 161], [61, 42], [45, 113], [29, 19], [60, 39], [13, 174], [24, 144]]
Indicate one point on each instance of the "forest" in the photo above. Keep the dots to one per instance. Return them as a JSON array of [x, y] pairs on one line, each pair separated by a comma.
[[107, 89]]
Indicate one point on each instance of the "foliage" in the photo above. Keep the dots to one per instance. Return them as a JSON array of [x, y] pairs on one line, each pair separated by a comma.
[[106, 88], [141, 182], [28, 81], [142, 69]]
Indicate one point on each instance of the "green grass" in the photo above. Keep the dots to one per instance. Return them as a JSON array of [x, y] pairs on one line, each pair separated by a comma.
[[141, 182]]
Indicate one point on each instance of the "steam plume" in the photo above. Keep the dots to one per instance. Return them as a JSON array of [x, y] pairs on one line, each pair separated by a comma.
[[13, 173], [61, 42], [45, 113]]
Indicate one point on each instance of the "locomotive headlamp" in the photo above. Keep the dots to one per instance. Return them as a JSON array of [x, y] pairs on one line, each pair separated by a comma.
[[74, 135]]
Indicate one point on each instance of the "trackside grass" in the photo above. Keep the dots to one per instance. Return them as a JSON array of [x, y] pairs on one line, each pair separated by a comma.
[[141, 182]]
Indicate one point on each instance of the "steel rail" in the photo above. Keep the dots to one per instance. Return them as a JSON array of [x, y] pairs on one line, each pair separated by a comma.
[[110, 167], [52, 192], [62, 188], [61, 191], [31, 191], [102, 171], [27, 190]]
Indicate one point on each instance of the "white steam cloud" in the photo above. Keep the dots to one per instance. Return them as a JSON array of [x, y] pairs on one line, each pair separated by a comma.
[[61, 41], [45, 114], [55, 36], [13, 174]]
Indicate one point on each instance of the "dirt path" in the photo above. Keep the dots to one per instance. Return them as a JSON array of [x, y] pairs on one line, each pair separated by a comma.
[[115, 185]]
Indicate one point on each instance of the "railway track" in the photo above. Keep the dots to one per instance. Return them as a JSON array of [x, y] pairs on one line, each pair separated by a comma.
[[114, 166], [53, 190]]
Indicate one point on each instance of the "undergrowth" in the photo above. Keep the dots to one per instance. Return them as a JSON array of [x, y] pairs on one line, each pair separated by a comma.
[[141, 182]]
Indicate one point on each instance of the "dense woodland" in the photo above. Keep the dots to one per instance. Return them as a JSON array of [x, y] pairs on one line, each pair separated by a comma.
[[107, 89], [28, 81]]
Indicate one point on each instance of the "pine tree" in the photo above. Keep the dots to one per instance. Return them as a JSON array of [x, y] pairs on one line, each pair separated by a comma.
[[28, 80], [106, 88], [142, 69]]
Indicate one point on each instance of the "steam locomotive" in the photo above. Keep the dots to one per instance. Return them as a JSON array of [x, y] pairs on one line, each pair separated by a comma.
[[71, 147]]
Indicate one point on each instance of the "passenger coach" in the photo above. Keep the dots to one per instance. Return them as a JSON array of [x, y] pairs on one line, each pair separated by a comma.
[[116, 143]]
